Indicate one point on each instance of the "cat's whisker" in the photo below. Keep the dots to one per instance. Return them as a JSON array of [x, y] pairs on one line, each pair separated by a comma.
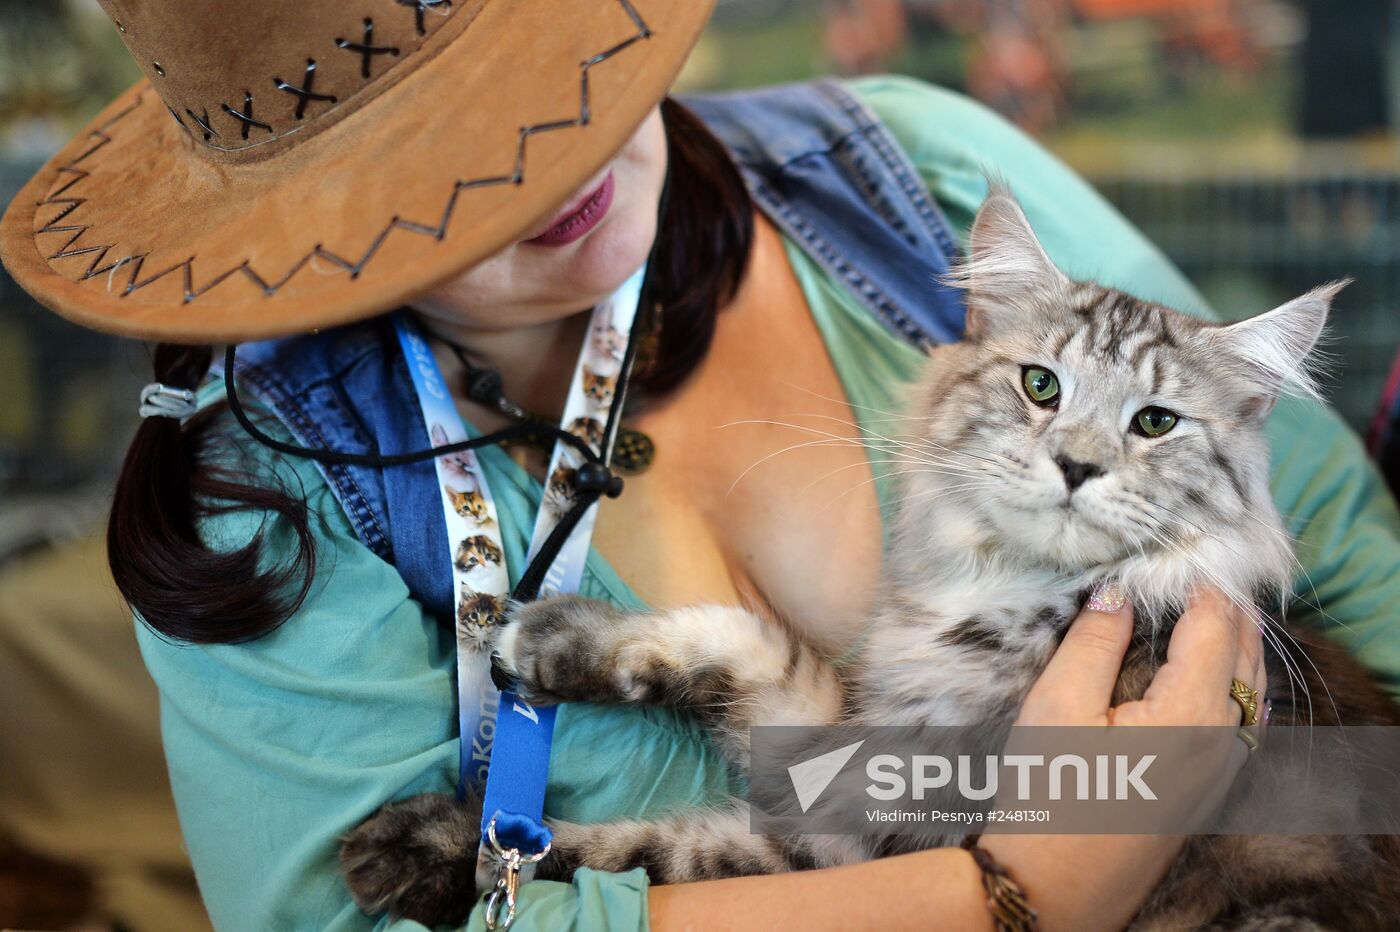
[[1296, 681], [932, 495], [853, 441], [837, 439], [885, 414], [895, 456], [829, 442], [1284, 632], [881, 462], [914, 441], [1298, 567], [989, 456]]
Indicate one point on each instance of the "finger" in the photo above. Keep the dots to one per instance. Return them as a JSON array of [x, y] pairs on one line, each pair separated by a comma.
[[1077, 683], [1250, 662], [1203, 650]]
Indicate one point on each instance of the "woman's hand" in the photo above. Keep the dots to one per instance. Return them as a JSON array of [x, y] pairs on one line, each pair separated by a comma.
[[1213, 643], [1092, 881]]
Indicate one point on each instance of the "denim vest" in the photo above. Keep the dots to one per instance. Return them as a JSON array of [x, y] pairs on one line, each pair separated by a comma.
[[817, 162]]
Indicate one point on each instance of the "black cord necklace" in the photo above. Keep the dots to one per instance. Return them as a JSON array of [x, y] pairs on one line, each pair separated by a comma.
[[632, 453], [593, 480]]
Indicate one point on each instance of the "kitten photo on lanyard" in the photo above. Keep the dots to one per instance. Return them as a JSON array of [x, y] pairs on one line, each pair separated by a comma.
[[1076, 434]]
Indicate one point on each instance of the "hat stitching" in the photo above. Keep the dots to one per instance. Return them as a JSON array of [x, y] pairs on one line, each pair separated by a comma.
[[305, 94], [246, 117], [202, 122], [421, 7], [365, 48], [101, 138]]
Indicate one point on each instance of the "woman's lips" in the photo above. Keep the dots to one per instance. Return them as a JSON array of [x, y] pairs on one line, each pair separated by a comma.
[[580, 219]]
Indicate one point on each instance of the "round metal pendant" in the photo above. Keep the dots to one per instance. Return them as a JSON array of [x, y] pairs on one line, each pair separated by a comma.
[[633, 453]]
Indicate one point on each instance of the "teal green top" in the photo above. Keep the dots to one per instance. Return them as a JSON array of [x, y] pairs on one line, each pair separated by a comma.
[[278, 746]]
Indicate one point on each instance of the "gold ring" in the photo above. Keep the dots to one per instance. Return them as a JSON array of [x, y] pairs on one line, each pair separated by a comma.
[[1249, 740], [1248, 699]]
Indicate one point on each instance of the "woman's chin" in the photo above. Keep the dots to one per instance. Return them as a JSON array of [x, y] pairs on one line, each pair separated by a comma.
[[608, 256]]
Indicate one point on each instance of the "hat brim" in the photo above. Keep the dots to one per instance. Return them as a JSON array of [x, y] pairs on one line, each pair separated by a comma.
[[130, 230]]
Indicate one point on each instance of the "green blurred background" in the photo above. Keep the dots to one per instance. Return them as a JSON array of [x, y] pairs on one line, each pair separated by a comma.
[[1252, 139]]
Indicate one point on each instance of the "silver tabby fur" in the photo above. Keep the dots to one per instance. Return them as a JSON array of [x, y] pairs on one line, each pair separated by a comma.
[[992, 554]]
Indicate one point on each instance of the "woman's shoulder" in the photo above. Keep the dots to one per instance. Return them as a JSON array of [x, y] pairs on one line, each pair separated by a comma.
[[957, 144], [952, 139]]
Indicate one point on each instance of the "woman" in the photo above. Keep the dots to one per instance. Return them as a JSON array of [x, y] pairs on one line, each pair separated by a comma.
[[321, 684]]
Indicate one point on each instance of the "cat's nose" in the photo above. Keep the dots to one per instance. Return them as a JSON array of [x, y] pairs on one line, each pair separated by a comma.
[[1077, 473]]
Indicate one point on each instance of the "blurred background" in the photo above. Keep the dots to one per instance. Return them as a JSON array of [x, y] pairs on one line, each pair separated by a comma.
[[1253, 140]]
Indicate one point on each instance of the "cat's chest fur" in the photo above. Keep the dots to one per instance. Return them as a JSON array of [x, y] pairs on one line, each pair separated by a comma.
[[966, 624], [964, 644]]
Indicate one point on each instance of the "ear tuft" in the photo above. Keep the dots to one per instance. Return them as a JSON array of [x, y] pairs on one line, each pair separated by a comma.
[[1277, 349], [1006, 268]]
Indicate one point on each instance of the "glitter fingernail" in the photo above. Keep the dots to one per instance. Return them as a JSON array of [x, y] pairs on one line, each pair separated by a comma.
[[1107, 596]]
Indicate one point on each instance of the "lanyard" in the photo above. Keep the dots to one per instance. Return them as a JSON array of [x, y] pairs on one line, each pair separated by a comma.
[[505, 740]]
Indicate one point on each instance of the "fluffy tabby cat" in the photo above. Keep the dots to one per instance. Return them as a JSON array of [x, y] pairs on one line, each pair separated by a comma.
[[1076, 434]]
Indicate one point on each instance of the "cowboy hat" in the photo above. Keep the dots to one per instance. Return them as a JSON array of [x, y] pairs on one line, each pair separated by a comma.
[[291, 166]]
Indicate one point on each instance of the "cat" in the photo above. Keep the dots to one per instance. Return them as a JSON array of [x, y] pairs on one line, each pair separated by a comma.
[[560, 492], [589, 430], [475, 551], [606, 340], [469, 504], [458, 465], [477, 614], [598, 388], [1076, 434]]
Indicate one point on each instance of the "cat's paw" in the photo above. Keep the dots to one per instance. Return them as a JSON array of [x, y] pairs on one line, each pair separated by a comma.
[[565, 649], [415, 859]]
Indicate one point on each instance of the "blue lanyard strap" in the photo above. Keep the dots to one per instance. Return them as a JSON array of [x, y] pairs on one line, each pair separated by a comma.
[[519, 772], [505, 744]]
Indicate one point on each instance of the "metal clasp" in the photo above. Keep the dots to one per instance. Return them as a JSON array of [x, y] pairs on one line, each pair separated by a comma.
[[507, 880]]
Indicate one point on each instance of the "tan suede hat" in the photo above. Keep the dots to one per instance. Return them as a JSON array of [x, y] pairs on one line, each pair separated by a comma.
[[287, 166]]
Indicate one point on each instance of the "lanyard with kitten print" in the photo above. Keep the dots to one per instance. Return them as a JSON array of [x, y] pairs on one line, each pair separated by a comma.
[[506, 756]]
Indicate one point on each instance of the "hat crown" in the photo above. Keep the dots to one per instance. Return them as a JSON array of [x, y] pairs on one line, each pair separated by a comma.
[[244, 79]]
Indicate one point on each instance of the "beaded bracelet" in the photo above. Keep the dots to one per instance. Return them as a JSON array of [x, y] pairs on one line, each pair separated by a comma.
[[1011, 911]]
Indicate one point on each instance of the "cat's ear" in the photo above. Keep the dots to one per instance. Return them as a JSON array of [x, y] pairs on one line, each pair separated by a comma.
[[1006, 269], [1274, 350]]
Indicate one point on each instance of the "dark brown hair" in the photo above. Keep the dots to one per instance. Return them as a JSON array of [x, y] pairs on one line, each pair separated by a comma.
[[187, 591]]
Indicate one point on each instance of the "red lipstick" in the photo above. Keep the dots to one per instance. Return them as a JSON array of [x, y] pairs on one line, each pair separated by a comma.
[[578, 219]]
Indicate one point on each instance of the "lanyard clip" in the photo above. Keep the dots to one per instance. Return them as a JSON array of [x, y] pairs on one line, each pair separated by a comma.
[[500, 905]]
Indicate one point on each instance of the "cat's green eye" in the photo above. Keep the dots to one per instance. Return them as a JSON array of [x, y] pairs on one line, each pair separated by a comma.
[[1154, 422], [1041, 385]]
